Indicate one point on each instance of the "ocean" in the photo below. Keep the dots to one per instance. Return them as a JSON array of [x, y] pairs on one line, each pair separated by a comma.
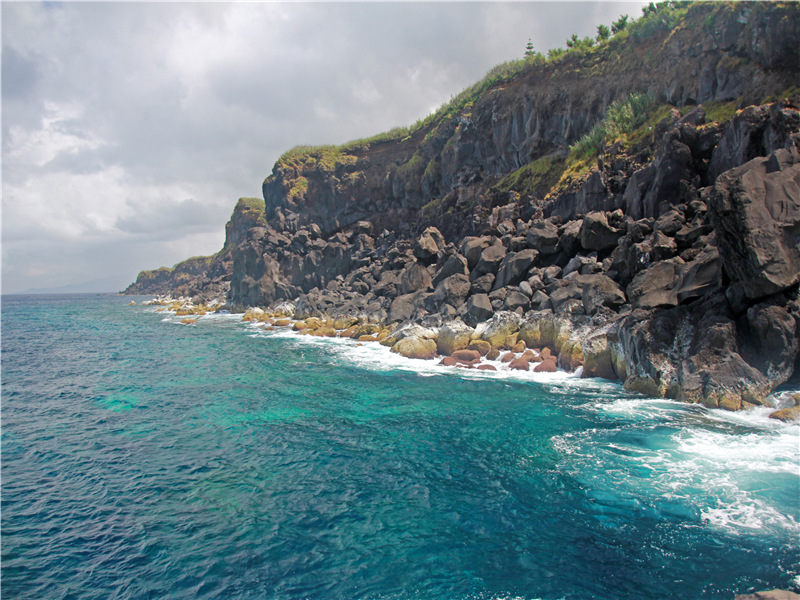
[[142, 458]]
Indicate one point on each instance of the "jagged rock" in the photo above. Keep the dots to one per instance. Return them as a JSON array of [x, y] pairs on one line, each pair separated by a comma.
[[570, 238], [428, 244], [452, 290], [413, 279], [482, 284], [661, 247], [388, 284], [472, 247], [772, 340], [514, 267], [670, 282], [598, 354], [540, 300], [490, 260], [543, 237], [755, 210], [408, 330], [515, 300], [600, 291], [477, 309], [562, 291], [597, 234], [669, 223], [753, 132], [691, 354], [454, 265], [497, 330], [453, 336], [404, 307]]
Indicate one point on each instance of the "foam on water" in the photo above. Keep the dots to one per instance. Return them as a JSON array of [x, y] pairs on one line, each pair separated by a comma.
[[720, 463]]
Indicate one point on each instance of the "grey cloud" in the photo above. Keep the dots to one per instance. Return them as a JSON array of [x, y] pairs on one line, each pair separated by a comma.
[[206, 96]]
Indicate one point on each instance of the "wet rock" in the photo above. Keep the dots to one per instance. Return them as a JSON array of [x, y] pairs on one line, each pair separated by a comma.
[[787, 415], [465, 355], [546, 366], [453, 336], [519, 364], [415, 347], [497, 330], [480, 346]]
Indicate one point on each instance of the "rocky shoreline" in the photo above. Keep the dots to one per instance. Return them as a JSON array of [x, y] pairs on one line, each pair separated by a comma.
[[670, 261], [506, 339]]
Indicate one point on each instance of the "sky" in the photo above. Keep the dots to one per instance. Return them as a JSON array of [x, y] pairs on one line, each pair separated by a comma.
[[130, 129]]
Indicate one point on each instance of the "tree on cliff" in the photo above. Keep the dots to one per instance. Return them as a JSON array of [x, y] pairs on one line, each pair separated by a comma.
[[529, 52]]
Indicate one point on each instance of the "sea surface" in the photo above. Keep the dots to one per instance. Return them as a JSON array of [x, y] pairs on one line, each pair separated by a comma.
[[142, 458]]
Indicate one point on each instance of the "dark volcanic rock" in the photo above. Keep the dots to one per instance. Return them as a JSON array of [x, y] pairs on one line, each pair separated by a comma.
[[597, 234], [543, 237], [477, 309], [755, 210], [514, 267]]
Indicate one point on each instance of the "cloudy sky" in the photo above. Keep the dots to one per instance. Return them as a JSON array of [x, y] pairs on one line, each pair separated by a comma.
[[130, 129]]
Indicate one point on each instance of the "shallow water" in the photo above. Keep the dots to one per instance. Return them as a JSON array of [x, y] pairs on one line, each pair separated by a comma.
[[142, 458]]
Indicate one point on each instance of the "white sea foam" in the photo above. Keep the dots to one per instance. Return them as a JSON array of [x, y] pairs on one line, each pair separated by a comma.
[[729, 468]]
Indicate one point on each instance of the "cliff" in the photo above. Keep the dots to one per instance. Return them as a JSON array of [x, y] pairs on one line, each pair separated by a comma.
[[634, 206]]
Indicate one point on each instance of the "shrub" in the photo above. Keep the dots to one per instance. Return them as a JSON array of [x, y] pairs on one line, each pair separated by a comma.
[[622, 118]]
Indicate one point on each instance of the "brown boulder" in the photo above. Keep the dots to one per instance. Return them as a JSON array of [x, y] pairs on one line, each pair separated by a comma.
[[480, 346], [466, 355], [519, 364], [548, 365]]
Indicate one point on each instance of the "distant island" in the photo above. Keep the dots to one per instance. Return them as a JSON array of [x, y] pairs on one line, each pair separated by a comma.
[[629, 206]]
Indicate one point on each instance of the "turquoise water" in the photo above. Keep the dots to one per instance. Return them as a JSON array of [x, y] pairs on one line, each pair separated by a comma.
[[142, 458]]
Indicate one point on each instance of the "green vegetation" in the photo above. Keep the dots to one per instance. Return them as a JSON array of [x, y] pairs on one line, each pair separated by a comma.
[[622, 118], [719, 111], [534, 179], [253, 209], [657, 17]]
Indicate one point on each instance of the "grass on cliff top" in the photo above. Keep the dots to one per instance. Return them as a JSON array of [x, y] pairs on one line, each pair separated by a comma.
[[656, 18]]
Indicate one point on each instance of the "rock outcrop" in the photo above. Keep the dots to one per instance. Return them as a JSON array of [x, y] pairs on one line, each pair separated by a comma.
[[671, 261]]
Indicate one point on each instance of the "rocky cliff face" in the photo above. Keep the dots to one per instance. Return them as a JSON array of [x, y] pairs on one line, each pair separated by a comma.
[[669, 261], [205, 277]]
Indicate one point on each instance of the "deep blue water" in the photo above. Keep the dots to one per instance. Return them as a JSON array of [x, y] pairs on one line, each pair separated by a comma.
[[142, 458]]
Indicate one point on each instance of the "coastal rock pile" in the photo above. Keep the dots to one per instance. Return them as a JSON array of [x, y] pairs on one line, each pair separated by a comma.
[[672, 264]]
